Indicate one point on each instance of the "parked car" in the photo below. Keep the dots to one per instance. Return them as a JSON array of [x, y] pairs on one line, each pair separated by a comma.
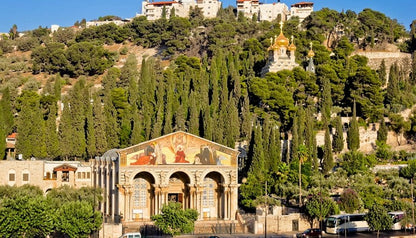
[[314, 232]]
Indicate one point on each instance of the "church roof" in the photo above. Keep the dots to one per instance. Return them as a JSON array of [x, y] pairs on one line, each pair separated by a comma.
[[131, 148], [65, 168]]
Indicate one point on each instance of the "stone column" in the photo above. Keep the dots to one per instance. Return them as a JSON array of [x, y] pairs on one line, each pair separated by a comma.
[[199, 192], [113, 190], [129, 202], [192, 196], [157, 200], [233, 200]]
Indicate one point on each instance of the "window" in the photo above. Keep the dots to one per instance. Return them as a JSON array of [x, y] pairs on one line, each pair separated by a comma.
[[140, 192], [25, 177], [79, 175], [88, 175], [208, 194], [12, 177]]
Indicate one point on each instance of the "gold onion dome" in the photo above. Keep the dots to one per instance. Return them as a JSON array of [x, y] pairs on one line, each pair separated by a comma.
[[311, 53], [292, 47], [281, 40]]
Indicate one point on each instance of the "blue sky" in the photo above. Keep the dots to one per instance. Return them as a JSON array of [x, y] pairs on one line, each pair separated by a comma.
[[30, 14]]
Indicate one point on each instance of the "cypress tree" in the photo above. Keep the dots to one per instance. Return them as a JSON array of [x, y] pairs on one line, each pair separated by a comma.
[[353, 136], [393, 91], [6, 105], [274, 149], [193, 121], [207, 123], [57, 87], [257, 166], [2, 136], [90, 132], [168, 119], [180, 119], [338, 139], [382, 72], [327, 161], [99, 126], [30, 127], [137, 134], [52, 141], [301, 125], [382, 131], [232, 129], [326, 103], [158, 126], [294, 143], [246, 119], [112, 128]]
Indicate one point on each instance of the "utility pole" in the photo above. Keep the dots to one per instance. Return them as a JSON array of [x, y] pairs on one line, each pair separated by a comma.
[[413, 206], [267, 208]]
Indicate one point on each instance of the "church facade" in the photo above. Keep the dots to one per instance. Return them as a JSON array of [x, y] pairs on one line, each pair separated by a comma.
[[179, 167]]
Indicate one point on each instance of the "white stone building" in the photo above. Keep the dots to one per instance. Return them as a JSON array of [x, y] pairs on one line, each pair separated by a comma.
[[154, 10], [45, 174], [269, 12], [248, 7], [301, 10]]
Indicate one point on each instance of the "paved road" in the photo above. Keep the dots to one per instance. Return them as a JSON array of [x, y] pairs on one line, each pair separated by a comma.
[[395, 234]]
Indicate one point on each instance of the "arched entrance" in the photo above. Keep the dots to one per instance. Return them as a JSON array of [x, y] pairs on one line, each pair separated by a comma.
[[212, 197], [143, 196], [178, 190]]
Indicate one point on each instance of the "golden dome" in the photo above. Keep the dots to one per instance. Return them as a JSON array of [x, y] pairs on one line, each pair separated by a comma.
[[311, 53], [281, 40], [292, 46]]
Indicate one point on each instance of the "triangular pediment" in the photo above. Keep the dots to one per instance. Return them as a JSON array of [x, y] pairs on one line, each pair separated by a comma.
[[65, 168], [178, 148]]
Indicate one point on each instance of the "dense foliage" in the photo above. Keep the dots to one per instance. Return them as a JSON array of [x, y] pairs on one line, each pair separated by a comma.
[[174, 220], [76, 97], [65, 212]]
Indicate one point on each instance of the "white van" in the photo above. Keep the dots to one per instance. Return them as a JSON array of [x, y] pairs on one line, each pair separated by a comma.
[[132, 235]]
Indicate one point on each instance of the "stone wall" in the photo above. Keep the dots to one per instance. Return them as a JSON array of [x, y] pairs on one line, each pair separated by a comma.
[[376, 57]]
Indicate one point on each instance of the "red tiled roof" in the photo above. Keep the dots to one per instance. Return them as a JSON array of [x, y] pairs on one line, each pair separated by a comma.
[[243, 0], [65, 167], [302, 3], [163, 3], [13, 135]]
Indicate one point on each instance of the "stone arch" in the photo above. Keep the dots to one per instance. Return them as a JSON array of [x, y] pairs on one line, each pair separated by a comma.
[[154, 176], [143, 204], [225, 178], [213, 195], [178, 188], [165, 180]]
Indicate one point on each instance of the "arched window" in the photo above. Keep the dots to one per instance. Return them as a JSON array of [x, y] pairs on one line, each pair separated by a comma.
[[209, 190], [140, 192]]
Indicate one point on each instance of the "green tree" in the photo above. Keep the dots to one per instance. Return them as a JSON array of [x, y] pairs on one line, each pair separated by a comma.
[[25, 216], [398, 125], [378, 219], [349, 201], [328, 160], [319, 206], [353, 136], [382, 132], [30, 126], [338, 138], [77, 219], [174, 220]]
